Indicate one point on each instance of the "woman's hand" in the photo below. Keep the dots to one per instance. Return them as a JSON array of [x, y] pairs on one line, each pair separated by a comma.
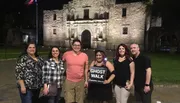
[[106, 82], [45, 90], [23, 90], [128, 86]]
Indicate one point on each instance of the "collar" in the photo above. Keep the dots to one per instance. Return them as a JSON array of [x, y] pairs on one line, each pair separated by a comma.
[[51, 60]]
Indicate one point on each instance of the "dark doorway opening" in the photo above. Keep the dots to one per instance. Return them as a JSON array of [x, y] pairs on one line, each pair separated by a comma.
[[86, 39]]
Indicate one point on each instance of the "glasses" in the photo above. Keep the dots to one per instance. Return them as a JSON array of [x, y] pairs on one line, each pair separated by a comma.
[[76, 45]]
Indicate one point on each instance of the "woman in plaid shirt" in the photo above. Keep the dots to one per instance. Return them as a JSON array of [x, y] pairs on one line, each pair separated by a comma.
[[53, 72]]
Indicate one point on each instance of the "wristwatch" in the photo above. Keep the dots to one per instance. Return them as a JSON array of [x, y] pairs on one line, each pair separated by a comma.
[[146, 84]]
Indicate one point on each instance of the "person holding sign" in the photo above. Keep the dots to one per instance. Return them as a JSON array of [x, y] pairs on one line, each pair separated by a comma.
[[101, 74], [124, 67]]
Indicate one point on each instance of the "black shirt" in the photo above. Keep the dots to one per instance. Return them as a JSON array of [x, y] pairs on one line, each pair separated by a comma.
[[141, 64], [122, 70]]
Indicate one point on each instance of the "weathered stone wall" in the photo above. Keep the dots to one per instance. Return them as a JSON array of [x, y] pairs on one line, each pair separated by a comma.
[[111, 28], [134, 21], [51, 38]]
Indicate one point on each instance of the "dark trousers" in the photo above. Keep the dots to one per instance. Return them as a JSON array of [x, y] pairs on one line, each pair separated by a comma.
[[54, 99], [31, 96], [142, 97]]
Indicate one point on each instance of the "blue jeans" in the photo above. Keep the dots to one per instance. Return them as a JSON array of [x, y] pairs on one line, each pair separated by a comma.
[[55, 99], [31, 96]]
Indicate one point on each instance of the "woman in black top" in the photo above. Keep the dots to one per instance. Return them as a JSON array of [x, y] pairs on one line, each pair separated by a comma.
[[124, 67], [28, 73], [101, 92]]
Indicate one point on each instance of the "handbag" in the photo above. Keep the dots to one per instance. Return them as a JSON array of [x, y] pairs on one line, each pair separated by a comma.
[[53, 88]]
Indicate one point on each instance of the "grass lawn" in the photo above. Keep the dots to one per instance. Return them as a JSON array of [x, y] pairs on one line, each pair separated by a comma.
[[15, 52], [165, 68], [6, 53]]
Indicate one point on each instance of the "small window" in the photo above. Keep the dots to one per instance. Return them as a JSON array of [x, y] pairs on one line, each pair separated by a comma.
[[124, 10], [125, 30], [101, 35], [72, 35], [96, 16], [77, 17], [54, 31], [86, 14], [68, 17], [106, 15], [54, 17]]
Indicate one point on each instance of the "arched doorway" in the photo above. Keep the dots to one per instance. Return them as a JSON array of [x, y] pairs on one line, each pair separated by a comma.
[[86, 39]]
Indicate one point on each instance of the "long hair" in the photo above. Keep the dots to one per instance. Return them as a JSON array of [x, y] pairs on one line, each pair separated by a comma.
[[50, 52], [26, 47], [127, 52]]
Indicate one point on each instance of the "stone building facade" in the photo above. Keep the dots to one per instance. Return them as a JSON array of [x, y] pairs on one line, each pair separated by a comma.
[[95, 23]]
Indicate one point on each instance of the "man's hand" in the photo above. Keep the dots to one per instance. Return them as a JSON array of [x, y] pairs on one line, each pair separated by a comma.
[[86, 84], [146, 89], [23, 90]]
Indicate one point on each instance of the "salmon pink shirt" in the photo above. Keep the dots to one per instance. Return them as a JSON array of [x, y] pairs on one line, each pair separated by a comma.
[[75, 65]]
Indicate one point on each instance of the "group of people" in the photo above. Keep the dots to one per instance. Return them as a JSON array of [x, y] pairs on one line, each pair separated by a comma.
[[72, 71]]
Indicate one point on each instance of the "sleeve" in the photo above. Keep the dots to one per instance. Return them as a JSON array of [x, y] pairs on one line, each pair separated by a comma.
[[45, 72], [64, 56], [62, 68], [41, 62], [19, 69], [147, 62], [130, 60], [86, 58]]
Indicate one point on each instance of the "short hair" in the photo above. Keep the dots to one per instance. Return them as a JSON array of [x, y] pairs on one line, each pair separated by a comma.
[[135, 44], [76, 40]]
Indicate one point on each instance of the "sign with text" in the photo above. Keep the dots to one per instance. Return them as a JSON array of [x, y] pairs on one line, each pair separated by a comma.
[[97, 74]]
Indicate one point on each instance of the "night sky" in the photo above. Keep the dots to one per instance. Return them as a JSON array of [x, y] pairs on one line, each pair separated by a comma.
[[24, 16], [168, 8], [13, 5]]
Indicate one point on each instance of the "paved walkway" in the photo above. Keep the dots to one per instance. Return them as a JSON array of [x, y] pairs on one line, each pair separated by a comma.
[[9, 93]]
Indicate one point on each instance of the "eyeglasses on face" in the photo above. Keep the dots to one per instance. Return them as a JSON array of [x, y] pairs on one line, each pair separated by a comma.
[[76, 45]]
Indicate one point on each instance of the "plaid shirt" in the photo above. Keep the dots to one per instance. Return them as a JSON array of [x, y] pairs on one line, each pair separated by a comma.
[[53, 72]]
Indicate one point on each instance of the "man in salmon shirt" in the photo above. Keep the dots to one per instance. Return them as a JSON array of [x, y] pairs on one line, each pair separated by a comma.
[[76, 70]]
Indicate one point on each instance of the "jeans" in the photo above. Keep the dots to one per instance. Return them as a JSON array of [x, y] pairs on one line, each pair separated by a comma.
[[31, 96], [55, 99]]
